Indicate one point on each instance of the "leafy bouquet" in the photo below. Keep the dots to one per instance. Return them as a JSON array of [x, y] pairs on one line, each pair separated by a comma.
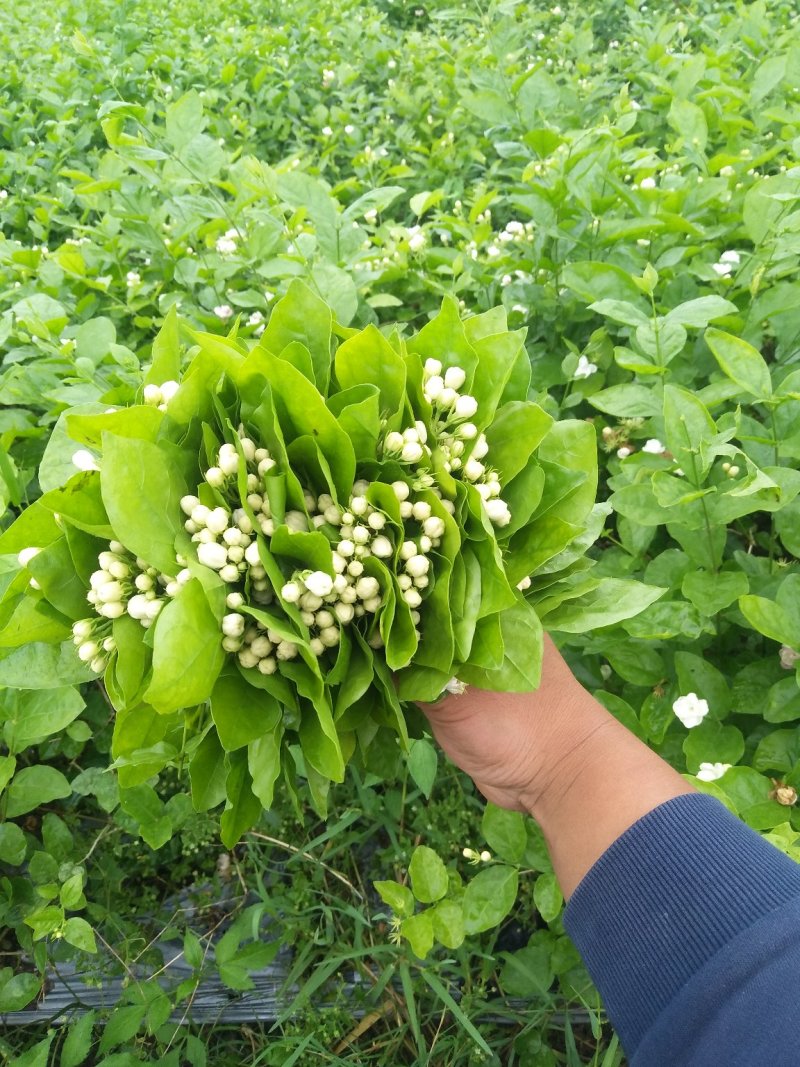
[[269, 555]]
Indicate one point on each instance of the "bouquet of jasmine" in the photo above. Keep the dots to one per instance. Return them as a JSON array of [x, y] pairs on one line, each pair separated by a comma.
[[267, 555]]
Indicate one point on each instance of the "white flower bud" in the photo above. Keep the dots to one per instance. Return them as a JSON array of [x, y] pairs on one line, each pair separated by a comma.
[[421, 511], [233, 625], [255, 501], [377, 520], [251, 554], [394, 442], [247, 658], [249, 449], [433, 387], [228, 460], [473, 469], [82, 629], [151, 394], [308, 618], [236, 553], [98, 665], [412, 598], [110, 592], [229, 573], [172, 588], [355, 569], [411, 453], [109, 644], [215, 477], [311, 602], [88, 650], [400, 490], [498, 512], [367, 587], [359, 505], [267, 526], [118, 569], [26, 555], [382, 547], [432, 366], [233, 536], [261, 647], [153, 609], [344, 613], [265, 466], [319, 583], [348, 595], [425, 543], [408, 549], [84, 460], [212, 555], [406, 509], [329, 636], [286, 650], [417, 566], [168, 391], [405, 581], [217, 520], [467, 431], [231, 644], [523, 584], [371, 605], [433, 526], [234, 600], [317, 646], [137, 606], [465, 407], [291, 592], [361, 534], [268, 665], [480, 448], [324, 618], [454, 377], [340, 583], [296, 521], [110, 611], [447, 397], [449, 507], [345, 548], [422, 583]]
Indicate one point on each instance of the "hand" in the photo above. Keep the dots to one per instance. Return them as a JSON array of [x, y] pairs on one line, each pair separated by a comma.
[[512, 744]]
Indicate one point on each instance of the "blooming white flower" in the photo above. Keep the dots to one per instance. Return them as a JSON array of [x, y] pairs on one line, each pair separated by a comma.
[[690, 709], [710, 772], [226, 245], [647, 183], [223, 311], [255, 319], [133, 278], [654, 446], [416, 239], [585, 369]]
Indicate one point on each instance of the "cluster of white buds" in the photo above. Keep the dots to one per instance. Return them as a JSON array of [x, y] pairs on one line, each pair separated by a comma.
[[94, 642], [256, 646], [410, 446], [124, 583], [159, 396], [462, 446], [476, 857]]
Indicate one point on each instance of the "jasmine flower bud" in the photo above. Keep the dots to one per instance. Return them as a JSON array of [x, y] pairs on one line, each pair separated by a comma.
[[109, 592], [340, 584], [401, 491], [98, 665], [118, 569], [317, 646], [411, 452], [344, 612], [247, 659], [84, 460], [319, 583], [406, 509], [371, 605], [329, 636], [233, 625], [382, 547], [261, 646], [234, 600], [212, 555], [110, 611], [236, 554], [432, 367], [88, 650], [82, 629], [265, 466], [296, 521], [710, 772], [473, 469], [524, 584], [417, 566], [217, 520], [447, 397], [137, 606], [367, 587], [26, 555], [421, 511], [433, 387], [498, 512], [215, 477], [151, 394], [454, 377], [307, 618], [433, 526], [359, 505], [405, 581], [422, 431], [355, 568], [412, 598], [394, 442], [231, 644], [268, 665], [324, 618], [251, 554], [168, 390], [425, 543], [345, 548], [480, 448], [286, 650], [377, 520]]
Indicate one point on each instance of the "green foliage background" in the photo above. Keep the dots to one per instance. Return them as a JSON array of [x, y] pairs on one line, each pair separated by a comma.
[[637, 144]]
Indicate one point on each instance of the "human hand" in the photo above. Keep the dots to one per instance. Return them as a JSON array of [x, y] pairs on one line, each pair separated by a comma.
[[513, 745]]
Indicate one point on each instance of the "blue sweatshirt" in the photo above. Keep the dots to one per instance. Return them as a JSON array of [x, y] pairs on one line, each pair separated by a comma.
[[689, 925]]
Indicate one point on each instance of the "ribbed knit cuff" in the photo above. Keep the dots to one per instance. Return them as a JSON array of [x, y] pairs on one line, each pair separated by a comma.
[[680, 883]]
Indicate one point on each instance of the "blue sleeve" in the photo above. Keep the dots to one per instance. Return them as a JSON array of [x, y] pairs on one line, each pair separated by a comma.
[[689, 925]]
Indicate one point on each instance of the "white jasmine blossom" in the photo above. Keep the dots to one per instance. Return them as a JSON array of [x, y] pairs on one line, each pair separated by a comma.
[[654, 446], [585, 369], [710, 772], [223, 311], [690, 709]]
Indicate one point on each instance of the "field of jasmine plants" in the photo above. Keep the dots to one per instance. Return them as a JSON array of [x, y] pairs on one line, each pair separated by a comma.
[[345, 347]]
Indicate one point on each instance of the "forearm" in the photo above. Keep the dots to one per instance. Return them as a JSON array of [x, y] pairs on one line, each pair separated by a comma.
[[599, 781]]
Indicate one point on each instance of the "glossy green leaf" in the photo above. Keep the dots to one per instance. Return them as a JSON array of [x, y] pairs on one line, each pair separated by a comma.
[[428, 875], [489, 897]]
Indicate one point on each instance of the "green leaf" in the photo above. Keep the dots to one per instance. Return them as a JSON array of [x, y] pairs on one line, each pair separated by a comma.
[[711, 593], [141, 492], [688, 429], [398, 897], [448, 923], [711, 742], [418, 930], [79, 933], [12, 844], [504, 832], [620, 311], [208, 773], [517, 430], [184, 119], [368, 358], [689, 122], [700, 311], [302, 316], [528, 972], [522, 654], [547, 897], [43, 666], [242, 808], [614, 600], [166, 355], [629, 400], [778, 751], [18, 991], [783, 701], [32, 715], [422, 764], [489, 897], [187, 651], [241, 713], [428, 875], [264, 763], [33, 787], [741, 362], [697, 675]]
